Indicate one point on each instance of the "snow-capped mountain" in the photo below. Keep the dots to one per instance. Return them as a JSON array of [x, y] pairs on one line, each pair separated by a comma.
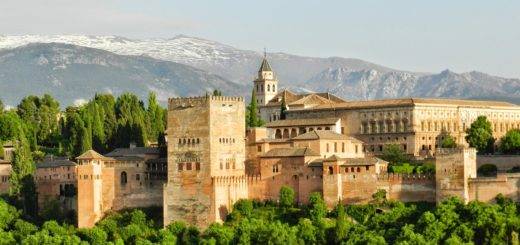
[[346, 77], [373, 84], [71, 73], [234, 64]]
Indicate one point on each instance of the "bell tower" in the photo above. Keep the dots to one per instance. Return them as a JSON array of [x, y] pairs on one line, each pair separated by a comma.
[[266, 84]]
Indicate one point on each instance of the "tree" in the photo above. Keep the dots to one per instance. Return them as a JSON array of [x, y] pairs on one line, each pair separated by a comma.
[[252, 118], [379, 196], [22, 165], [480, 135], [342, 225], [131, 124], [1, 107], [448, 142], [217, 92], [510, 143], [393, 154], [283, 109], [317, 209], [156, 118], [286, 197]]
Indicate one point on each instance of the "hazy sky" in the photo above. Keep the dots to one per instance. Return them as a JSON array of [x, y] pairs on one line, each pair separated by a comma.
[[414, 35]]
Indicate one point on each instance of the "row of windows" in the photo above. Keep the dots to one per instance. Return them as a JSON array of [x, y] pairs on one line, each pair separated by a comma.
[[349, 169], [379, 148], [290, 133], [437, 138], [56, 169], [260, 88], [384, 127], [372, 114], [342, 147], [188, 166], [275, 168], [86, 176], [69, 176], [189, 141], [226, 140], [387, 138], [230, 163]]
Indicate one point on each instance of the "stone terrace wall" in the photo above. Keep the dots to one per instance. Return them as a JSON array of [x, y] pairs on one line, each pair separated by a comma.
[[486, 189], [408, 188], [503, 162]]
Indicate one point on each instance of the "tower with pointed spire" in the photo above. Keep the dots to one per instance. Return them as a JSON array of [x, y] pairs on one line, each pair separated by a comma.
[[266, 84]]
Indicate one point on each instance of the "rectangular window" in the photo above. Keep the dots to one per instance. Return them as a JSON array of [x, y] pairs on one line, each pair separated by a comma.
[[356, 148], [137, 177], [188, 166], [259, 148], [327, 146], [342, 147], [335, 147], [179, 166], [197, 166], [342, 130]]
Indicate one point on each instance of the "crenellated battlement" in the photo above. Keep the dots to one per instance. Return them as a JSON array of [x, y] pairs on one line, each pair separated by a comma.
[[185, 102], [450, 151], [408, 177]]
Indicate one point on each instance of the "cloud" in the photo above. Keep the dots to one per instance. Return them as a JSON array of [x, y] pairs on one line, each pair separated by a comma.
[[95, 17]]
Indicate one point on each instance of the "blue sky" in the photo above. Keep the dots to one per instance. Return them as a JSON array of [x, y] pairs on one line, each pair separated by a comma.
[[410, 35]]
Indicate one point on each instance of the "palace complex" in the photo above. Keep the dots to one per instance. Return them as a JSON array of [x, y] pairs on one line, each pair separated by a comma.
[[324, 144]]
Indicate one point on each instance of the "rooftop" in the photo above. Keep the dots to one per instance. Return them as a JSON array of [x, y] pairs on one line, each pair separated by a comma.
[[324, 135], [133, 151], [91, 154], [302, 122], [366, 161], [290, 152], [412, 102], [53, 161]]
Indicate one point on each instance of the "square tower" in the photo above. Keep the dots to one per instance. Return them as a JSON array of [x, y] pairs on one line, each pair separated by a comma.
[[453, 169], [206, 143]]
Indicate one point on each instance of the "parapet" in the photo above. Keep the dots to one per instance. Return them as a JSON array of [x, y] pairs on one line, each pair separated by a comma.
[[409, 177], [185, 102], [451, 151]]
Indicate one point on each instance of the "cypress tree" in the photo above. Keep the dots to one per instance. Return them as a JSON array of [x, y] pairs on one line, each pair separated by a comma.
[[283, 109], [253, 119], [156, 124], [22, 164]]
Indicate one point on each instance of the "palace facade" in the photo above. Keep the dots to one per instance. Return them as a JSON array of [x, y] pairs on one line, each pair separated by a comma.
[[417, 125]]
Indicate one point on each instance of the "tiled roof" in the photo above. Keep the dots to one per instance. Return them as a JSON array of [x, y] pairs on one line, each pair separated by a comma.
[[412, 102], [290, 152], [134, 151], [265, 66], [324, 134], [291, 97], [366, 161], [90, 154], [302, 122], [51, 161]]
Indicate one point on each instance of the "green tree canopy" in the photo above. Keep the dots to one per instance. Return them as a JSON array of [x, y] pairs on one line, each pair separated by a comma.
[[480, 135], [286, 197], [283, 109], [252, 117], [394, 154], [510, 143], [448, 142]]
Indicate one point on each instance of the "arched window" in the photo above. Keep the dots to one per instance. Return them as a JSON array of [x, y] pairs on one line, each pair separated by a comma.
[[331, 170], [268, 88], [123, 178], [274, 88]]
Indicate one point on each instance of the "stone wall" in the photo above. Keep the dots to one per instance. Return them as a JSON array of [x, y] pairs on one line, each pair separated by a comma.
[[408, 188], [502, 162], [486, 189]]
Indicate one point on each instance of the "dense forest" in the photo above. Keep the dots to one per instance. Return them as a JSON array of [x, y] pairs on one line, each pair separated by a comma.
[[254, 222]]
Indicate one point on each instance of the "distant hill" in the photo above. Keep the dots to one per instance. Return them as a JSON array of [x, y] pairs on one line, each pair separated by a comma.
[[71, 73], [346, 77], [373, 84]]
